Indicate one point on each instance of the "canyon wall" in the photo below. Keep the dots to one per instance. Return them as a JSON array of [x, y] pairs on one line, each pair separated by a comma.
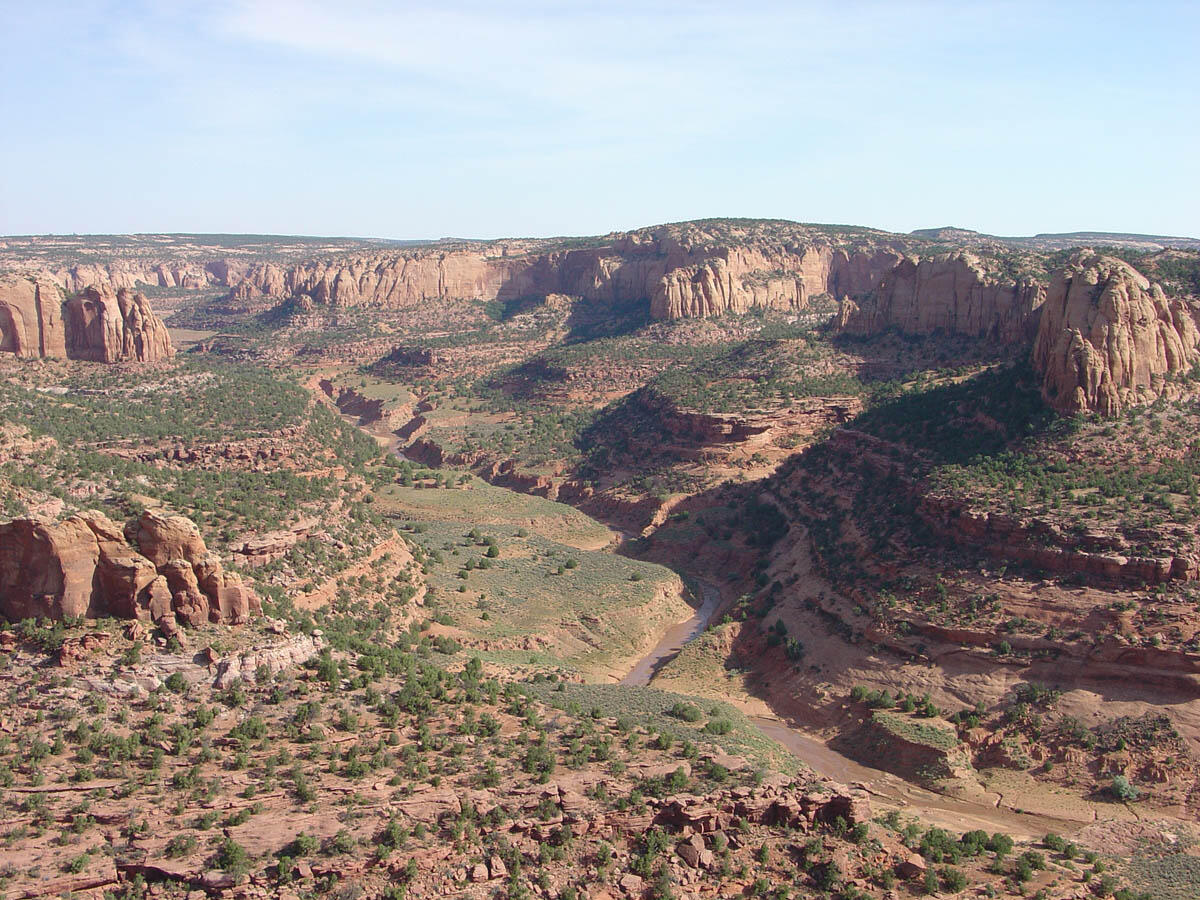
[[97, 324], [952, 294], [882, 287], [687, 270], [129, 273], [677, 278], [1109, 338]]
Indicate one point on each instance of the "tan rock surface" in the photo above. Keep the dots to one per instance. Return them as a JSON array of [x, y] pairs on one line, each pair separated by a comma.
[[97, 325], [1109, 338], [952, 294], [83, 566]]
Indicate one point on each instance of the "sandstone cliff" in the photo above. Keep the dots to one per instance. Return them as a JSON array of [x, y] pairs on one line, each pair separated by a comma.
[[129, 273], [689, 269], [1109, 338], [31, 317], [97, 325], [121, 328], [951, 293], [679, 271], [88, 566]]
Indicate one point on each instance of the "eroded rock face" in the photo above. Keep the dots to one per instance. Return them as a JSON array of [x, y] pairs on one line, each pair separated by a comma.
[[952, 294], [111, 328], [97, 325], [31, 323], [1108, 338], [84, 566]]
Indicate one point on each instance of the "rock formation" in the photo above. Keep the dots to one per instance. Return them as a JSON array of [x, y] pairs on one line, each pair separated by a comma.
[[31, 317], [691, 269], [86, 566], [121, 328], [952, 294], [679, 274], [97, 325], [1108, 338]]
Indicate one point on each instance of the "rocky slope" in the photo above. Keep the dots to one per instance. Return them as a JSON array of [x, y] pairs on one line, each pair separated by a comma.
[[97, 324], [86, 565], [1110, 338]]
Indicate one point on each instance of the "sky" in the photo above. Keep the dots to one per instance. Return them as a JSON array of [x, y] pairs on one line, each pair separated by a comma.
[[492, 119]]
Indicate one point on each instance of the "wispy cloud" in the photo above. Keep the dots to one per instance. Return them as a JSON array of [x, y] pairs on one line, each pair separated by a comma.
[[413, 118]]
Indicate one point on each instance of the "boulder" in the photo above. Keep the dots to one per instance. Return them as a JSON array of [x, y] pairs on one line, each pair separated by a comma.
[[911, 867]]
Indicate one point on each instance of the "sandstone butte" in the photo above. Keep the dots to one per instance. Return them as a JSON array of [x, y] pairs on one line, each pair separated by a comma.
[[98, 324], [156, 569], [1109, 338]]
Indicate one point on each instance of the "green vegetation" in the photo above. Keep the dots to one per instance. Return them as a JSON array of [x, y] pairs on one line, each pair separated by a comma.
[[915, 732]]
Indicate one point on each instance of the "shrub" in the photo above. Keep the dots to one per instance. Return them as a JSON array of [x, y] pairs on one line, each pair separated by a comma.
[[686, 711], [1123, 790], [953, 879], [232, 857]]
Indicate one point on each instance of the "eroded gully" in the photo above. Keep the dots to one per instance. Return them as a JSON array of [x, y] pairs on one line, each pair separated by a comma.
[[888, 790]]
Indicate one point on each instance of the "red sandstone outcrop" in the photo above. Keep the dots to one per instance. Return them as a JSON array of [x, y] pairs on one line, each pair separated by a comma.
[[86, 566], [368, 410], [953, 294], [97, 325], [1110, 338], [31, 317], [260, 549], [121, 328], [1048, 547]]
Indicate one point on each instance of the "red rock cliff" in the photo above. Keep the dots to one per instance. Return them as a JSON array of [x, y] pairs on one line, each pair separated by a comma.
[[86, 566], [1109, 338], [98, 325]]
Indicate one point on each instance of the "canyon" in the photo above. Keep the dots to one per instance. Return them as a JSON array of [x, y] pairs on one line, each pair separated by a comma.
[[931, 493]]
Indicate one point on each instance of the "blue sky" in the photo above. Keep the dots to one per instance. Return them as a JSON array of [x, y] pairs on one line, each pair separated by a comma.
[[420, 120]]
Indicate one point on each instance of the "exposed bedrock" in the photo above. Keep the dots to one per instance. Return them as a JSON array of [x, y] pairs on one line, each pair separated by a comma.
[[1109, 338], [157, 569], [953, 294], [98, 324]]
